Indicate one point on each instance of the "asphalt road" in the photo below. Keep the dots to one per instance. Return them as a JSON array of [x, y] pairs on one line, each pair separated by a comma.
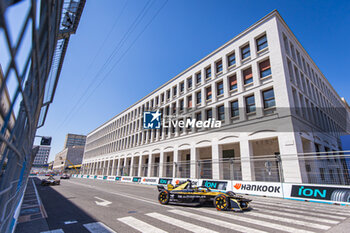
[[83, 205]]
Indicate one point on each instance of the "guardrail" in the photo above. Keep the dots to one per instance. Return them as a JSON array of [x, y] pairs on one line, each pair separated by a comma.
[[35, 35]]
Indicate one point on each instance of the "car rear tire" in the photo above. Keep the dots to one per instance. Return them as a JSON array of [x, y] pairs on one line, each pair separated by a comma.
[[163, 197], [221, 202]]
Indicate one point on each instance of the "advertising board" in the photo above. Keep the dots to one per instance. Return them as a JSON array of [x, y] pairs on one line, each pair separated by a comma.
[[149, 180], [272, 189]]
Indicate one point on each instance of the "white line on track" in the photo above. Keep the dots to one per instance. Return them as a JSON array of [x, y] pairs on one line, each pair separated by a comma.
[[288, 220], [98, 227], [53, 231], [242, 218], [225, 224], [179, 223], [140, 225], [269, 206]]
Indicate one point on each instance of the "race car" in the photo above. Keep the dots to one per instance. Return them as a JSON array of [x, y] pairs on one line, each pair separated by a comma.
[[50, 181], [185, 194], [65, 176]]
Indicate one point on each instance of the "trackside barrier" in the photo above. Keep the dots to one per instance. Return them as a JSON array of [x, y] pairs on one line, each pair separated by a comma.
[[331, 194], [100, 177]]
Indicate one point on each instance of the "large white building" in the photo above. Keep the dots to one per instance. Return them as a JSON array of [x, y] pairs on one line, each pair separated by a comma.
[[268, 93]]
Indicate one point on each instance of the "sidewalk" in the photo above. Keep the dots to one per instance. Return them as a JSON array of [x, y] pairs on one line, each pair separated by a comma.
[[32, 217]]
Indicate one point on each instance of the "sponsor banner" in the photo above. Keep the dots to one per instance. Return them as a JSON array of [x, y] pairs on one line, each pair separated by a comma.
[[216, 184], [136, 179], [327, 193], [118, 178], [165, 181], [104, 177], [100, 177], [176, 181], [85, 176], [149, 180], [258, 188], [92, 177], [126, 179], [111, 178]]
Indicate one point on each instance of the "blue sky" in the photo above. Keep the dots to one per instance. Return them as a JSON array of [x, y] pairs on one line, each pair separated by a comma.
[[182, 33]]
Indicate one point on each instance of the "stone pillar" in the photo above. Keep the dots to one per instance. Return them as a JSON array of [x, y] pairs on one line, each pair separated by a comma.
[[113, 168], [108, 163], [131, 166], [150, 162], [161, 163], [246, 164], [215, 155], [140, 166], [194, 159], [175, 159], [118, 168]]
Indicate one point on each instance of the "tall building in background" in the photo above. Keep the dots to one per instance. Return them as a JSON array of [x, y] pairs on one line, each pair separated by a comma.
[[72, 153], [74, 140], [42, 156], [275, 107]]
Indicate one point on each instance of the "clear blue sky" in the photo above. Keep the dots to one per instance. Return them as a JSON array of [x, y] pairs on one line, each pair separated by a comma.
[[183, 33]]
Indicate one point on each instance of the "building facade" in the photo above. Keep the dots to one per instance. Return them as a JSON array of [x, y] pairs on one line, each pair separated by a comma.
[[74, 140], [72, 155], [275, 107], [42, 156]]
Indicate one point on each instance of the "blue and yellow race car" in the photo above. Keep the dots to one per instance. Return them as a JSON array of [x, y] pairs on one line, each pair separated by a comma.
[[187, 194]]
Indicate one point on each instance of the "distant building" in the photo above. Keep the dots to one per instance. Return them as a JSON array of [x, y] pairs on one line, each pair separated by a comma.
[[42, 155], [74, 140], [67, 157]]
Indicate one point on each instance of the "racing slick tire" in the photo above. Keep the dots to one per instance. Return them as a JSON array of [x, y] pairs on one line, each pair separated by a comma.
[[340, 195], [163, 197], [221, 202]]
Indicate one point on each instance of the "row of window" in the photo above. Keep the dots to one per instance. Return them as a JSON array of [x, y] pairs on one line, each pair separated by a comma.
[[261, 44], [124, 140]]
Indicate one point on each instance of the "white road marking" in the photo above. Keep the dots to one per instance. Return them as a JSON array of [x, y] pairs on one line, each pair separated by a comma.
[[140, 225], [98, 227], [288, 220], [138, 198], [70, 222], [225, 224], [303, 216], [103, 202], [242, 218], [53, 231], [267, 206], [324, 209], [179, 223]]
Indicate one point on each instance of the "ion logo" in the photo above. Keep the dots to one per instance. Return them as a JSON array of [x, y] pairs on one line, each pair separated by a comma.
[[314, 192], [215, 184], [311, 192], [151, 120], [136, 179], [165, 181], [237, 186]]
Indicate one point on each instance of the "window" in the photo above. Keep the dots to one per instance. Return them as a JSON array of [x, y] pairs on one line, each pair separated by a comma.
[[209, 114], [261, 42], [218, 66], [189, 82], [168, 94], [269, 98], [233, 82], [265, 68], [220, 88], [208, 73], [182, 86], [198, 77], [167, 110], [248, 76], [286, 47], [157, 100], [189, 101], [221, 113], [199, 116], [208, 93], [250, 104], [234, 109], [290, 70], [198, 97], [231, 60], [174, 91], [181, 105], [245, 52], [174, 108]]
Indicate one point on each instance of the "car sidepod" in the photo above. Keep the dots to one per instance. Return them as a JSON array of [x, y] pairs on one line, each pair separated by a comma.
[[239, 204]]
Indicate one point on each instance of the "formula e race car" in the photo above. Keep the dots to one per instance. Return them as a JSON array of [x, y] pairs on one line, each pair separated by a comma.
[[50, 181], [65, 176], [187, 194]]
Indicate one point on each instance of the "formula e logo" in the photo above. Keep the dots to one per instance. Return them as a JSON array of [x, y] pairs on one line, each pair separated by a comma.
[[237, 186], [151, 120]]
